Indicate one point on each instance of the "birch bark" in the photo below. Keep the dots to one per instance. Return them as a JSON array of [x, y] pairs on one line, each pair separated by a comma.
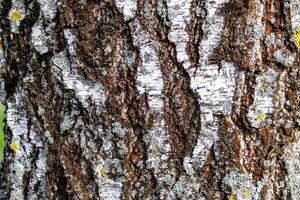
[[150, 99]]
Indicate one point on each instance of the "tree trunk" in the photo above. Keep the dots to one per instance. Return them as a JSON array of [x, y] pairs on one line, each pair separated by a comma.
[[151, 99]]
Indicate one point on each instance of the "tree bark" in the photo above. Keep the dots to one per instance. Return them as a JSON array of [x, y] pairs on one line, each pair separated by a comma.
[[151, 99]]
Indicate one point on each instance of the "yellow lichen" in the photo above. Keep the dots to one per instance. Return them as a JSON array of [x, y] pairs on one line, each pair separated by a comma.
[[101, 171], [296, 35], [15, 15], [246, 193], [14, 147], [231, 197], [261, 117], [265, 85]]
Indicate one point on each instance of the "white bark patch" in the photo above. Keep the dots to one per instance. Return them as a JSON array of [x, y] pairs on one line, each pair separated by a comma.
[[240, 90], [255, 29], [38, 177], [242, 152], [295, 13], [280, 96], [21, 156], [263, 99], [104, 166], [39, 38], [212, 28], [284, 57], [84, 89], [158, 148], [109, 188], [2, 54], [2, 91], [17, 180], [149, 77], [70, 37], [240, 185], [216, 89], [127, 7], [187, 187], [292, 158], [15, 120], [149, 80], [18, 124], [179, 15], [49, 8], [215, 86]]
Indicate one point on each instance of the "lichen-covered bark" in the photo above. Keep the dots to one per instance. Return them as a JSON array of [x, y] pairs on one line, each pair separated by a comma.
[[150, 99]]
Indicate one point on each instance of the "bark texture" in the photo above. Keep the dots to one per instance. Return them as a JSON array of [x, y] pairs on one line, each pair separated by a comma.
[[151, 99]]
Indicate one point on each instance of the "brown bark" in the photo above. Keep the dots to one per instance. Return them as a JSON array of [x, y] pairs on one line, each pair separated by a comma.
[[151, 99]]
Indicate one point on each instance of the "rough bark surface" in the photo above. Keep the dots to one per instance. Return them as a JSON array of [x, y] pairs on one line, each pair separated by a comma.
[[151, 99]]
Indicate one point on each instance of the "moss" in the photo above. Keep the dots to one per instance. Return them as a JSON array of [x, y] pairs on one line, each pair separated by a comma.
[[2, 141]]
